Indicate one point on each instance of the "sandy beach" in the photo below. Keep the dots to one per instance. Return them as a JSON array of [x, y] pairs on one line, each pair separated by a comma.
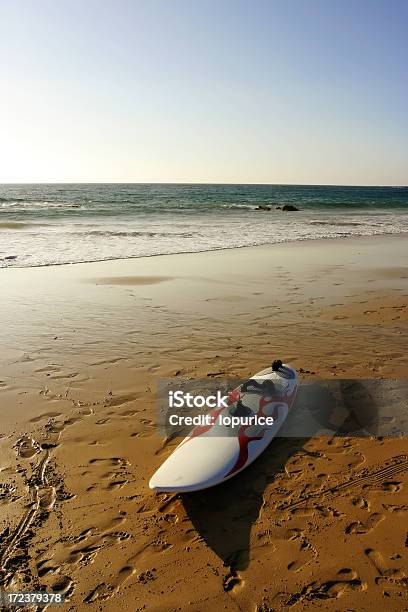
[[317, 522]]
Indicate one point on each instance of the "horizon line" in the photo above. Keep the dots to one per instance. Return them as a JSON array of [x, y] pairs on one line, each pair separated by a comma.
[[202, 183]]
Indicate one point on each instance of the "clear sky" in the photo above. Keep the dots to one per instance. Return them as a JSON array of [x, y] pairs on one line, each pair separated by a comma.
[[274, 91]]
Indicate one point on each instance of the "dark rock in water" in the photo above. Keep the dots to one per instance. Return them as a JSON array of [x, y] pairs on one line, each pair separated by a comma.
[[9, 257], [263, 207], [289, 207], [279, 208]]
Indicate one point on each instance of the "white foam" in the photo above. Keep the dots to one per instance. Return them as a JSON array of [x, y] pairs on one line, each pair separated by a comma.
[[96, 239]]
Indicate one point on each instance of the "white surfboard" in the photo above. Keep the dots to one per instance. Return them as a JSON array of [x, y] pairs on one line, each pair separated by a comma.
[[212, 454]]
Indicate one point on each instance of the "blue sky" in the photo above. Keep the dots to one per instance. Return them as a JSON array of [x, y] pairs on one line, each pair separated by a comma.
[[292, 91]]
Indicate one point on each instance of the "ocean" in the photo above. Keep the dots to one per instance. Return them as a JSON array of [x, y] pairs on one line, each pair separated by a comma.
[[68, 223]]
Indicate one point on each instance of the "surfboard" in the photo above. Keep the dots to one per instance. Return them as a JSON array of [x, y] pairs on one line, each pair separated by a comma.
[[213, 453]]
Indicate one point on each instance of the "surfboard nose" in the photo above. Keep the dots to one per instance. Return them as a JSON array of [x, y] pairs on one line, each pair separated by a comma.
[[176, 484], [162, 487], [199, 463]]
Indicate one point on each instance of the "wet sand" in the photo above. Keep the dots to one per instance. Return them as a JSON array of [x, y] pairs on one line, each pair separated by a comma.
[[319, 521]]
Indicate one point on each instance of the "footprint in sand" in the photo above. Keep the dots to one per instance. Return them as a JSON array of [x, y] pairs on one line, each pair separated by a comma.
[[231, 581], [118, 476], [83, 550], [113, 461], [306, 554], [390, 577], [399, 509], [390, 487], [49, 368], [46, 415], [303, 512], [293, 534], [43, 568], [7, 492], [119, 400], [361, 528], [27, 447], [64, 584], [127, 413], [46, 497], [116, 484], [361, 502], [345, 581], [72, 420], [65, 376], [104, 591]]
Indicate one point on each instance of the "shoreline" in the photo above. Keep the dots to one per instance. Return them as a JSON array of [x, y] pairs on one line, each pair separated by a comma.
[[390, 235]]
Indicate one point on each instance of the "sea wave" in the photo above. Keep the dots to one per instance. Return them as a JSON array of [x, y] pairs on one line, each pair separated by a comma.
[[129, 234], [27, 207], [45, 250], [15, 225], [12, 199], [240, 206], [337, 223]]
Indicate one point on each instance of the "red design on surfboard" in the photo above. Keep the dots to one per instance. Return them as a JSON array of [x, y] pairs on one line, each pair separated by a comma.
[[245, 440], [200, 429]]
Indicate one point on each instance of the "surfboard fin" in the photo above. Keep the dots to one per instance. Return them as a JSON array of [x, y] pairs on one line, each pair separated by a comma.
[[276, 365]]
